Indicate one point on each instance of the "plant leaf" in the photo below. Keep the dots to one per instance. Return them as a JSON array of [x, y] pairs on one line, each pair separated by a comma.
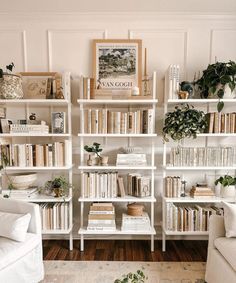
[[220, 106]]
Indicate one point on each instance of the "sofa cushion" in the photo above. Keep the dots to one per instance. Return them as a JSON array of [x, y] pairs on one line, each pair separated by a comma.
[[230, 219], [227, 247], [11, 251]]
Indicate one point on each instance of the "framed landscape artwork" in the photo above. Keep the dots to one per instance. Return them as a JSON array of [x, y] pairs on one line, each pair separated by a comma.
[[117, 63]]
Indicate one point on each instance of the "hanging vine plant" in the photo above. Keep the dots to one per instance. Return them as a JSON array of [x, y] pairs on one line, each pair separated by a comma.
[[184, 122]]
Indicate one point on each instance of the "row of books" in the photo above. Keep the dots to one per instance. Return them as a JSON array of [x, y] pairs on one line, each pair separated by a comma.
[[138, 186], [219, 122], [101, 217], [135, 223], [86, 87], [203, 156], [103, 121], [189, 217], [172, 186], [39, 155], [55, 216], [172, 79], [99, 185]]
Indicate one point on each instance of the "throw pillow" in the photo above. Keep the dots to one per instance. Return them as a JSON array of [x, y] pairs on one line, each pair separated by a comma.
[[230, 219], [14, 226]]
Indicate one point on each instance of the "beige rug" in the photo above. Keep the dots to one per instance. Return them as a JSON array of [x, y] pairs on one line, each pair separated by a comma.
[[108, 271]]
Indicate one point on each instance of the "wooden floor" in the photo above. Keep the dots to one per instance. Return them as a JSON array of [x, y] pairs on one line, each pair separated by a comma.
[[125, 250]]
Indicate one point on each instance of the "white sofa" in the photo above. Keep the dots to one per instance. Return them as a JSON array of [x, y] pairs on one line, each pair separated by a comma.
[[221, 259], [21, 262]]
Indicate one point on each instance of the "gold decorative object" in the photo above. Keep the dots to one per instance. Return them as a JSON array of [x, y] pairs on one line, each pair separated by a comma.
[[146, 80], [183, 94]]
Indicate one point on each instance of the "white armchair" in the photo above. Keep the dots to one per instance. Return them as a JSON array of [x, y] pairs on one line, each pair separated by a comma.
[[22, 262]]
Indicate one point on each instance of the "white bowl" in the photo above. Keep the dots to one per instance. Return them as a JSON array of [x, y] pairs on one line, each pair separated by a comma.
[[22, 181]]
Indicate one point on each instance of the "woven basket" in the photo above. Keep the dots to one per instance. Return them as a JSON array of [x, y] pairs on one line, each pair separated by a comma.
[[135, 209], [11, 87]]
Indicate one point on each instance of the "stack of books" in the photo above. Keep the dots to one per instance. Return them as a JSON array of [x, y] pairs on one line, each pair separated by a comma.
[[172, 187], [18, 194], [101, 217], [203, 156], [55, 216], [103, 121], [14, 126], [40, 155], [172, 79], [219, 122], [201, 190], [135, 223], [189, 217], [86, 87]]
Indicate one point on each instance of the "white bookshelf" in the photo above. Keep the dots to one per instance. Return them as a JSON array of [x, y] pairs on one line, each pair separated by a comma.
[[110, 104], [167, 168], [49, 106]]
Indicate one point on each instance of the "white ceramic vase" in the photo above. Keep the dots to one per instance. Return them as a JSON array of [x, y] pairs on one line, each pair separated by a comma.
[[228, 191]]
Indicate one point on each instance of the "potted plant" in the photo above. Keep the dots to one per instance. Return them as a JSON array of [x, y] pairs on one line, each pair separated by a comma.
[[184, 122], [137, 277], [227, 183], [95, 149], [186, 90], [59, 187], [10, 84], [219, 80]]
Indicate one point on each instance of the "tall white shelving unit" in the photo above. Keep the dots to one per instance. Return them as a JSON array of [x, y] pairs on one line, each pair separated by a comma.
[[109, 104], [206, 103], [49, 105]]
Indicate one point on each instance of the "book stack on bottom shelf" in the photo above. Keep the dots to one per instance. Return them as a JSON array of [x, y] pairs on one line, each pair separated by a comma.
[[135, 223], [101, 217], [55, 216], [189, 217]]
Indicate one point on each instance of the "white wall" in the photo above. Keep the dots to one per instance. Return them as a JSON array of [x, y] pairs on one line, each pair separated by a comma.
[[39, 42]]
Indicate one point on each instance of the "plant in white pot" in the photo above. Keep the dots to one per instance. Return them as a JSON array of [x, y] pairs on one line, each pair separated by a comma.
[[10, 84], [227, 186], [95, 149]]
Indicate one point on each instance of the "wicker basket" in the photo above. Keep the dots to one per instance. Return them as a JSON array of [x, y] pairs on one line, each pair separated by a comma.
[[11, 87], [135, 209]]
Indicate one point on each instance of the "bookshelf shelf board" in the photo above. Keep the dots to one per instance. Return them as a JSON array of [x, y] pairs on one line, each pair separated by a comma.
[[200, 168], [118, 199], [13, 168], [199, 101], [217, 135], [57, 231], [187, 233], [42, 198], [45, 102], [33, 135], [198, 200], [114, 167], [117, 101], [84, 231], [118, 135]]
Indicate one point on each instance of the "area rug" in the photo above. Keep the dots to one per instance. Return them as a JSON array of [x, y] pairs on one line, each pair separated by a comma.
[[108, 271]]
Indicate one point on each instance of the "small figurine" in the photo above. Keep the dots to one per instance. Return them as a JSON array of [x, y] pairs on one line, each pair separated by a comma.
[[32, 117]]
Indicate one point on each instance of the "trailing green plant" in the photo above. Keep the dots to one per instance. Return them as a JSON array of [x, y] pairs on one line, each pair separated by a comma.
[[138, 277], [184, 122], [4, 163], [59, 186], [95, 148], [215, 78], [226, 181], [9, 68]]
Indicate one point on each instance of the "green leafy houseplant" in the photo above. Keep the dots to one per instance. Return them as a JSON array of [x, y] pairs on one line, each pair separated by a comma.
[[95, 148], [215, 78], [186, 86], [59, 186], [4, 163], [8, 68], [226, 181], [137, 277], [184, 122]]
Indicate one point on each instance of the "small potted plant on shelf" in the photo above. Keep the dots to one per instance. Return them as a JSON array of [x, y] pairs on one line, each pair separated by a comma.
[[58, 187], [184, 122], [137, 277], [218, 80], [95, 149], [186, 90], [10, 84], [227, 184]]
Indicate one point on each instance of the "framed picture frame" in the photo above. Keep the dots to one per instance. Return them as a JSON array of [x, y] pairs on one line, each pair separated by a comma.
[[117, 63], [42, 85], [58, 122]]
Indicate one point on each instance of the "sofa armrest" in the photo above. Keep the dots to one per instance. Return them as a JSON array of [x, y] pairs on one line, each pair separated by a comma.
[[216, 229]]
